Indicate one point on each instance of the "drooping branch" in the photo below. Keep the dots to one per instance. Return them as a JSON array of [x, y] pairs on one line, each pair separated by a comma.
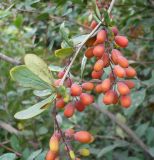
[[125, 128], [82, 44], [9, 59]]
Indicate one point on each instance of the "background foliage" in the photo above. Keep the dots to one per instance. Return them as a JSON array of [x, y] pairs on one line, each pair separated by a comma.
[[33, 27]]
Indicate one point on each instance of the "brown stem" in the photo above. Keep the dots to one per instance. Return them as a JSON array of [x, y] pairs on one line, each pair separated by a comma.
[[11, 150], [54, 113], [125, 128], [9, 59]]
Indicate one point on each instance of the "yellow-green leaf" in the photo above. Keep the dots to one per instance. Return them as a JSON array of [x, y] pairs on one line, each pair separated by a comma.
[[38, 67], [64, 52]]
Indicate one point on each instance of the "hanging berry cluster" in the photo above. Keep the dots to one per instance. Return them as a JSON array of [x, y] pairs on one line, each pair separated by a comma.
[[115, 87]]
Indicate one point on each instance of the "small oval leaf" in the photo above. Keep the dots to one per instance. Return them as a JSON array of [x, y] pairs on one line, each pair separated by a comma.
[[64, 52]]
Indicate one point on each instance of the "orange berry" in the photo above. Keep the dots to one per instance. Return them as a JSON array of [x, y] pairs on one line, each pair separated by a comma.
[[101, 37], [98, 88], [54, 144], [121, 41], [122, 61], [114, 55], [69, 110], [106, 85], [123, 88], [83, 136], [130, 84], [96, 75], [50, 155], [88, 86], [60, 103], [119, 71], [86, 99], [93, 24], [89, 52], [98, 65], [130, 72], [106, 60], [108, 97], [76, 90], [125, 101], [98, 51], [79, 106], [114, 30], [61, 74]]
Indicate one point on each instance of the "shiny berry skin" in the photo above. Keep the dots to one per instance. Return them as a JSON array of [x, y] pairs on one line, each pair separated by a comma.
[[97, 75], [98, 88], [75, 90], [50, 155], [101, 37], [130, 84], [98, 51], [88, 86], [98, 65], [123, 88], [79, 106], [108, 97], [89, 52], [121, 41], [125, 101], [61, 74], [69, 110], [114, 55], [106, 85], [83, 136], [119, 71], [60, 103], [130, 72], [122, 61], [86, 99]]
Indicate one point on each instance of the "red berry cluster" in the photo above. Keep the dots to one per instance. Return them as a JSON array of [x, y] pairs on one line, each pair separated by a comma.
[[118, 84]]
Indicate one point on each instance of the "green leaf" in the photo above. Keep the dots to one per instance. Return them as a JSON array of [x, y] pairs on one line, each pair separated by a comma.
[[110, 148], [151, 151], [38, 67], [26, 78], [78, 39], [15, 143], [34, 154], [42, 93], [35, 109], [141, 129], [137, 99], [8, 156], [64, 34], [18, 21], [107, 19], [64, 52], [97, 12], [83, 64], [55, 68]]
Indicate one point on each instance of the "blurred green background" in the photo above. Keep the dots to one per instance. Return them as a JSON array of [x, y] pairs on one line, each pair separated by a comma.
[[32, 26]]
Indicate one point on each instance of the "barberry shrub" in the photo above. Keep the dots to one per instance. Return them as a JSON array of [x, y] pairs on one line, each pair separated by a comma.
[[110, 75]]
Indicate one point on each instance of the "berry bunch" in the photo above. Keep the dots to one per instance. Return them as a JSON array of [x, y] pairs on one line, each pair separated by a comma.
[[80, 136]]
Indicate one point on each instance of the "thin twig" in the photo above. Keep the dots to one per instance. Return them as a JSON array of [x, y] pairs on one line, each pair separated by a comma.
[[54, 113], [9, 59], [125, 128], [82, 44], [11, 150]]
